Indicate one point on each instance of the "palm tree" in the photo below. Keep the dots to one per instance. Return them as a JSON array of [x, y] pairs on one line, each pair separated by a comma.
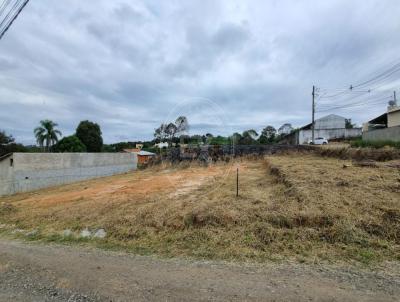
[[46, 132]]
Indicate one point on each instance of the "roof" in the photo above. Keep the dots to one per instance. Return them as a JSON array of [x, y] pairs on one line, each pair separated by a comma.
[[132, 150], [308, 126], [382, 119], [332, 115], [146, 153]]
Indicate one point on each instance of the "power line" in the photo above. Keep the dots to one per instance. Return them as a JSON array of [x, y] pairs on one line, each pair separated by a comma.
[[9, 14], [360, 103], [324, 96], [12, 15], [380, 77], [383, 78], [3, 6]]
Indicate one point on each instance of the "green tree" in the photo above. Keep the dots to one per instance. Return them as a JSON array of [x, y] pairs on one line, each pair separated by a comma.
[[182, 125], [160, 133], [236, 138], [89, 134], [47, 134], [249, 137], [171, 131], [8, 145], [70, 144], [5, 139], [268, 135], [349, 124]]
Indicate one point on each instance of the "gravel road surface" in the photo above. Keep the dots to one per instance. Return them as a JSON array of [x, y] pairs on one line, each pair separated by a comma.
[[36, 272]]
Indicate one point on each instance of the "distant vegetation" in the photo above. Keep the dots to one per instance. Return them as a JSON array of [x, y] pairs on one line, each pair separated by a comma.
[[8, 145]]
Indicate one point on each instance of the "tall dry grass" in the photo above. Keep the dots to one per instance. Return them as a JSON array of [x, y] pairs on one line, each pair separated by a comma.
[[292, 206]]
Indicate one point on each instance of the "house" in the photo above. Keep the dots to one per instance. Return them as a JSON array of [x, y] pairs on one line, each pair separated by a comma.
[[330, 127], [144, 157], [139, 146], [385, 126]]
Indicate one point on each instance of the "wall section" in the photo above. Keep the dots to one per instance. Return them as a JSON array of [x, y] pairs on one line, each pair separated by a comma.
[[33, 171], [391, 134]]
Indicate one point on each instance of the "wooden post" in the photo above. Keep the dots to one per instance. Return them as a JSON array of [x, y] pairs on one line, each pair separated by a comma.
[[237, 182]]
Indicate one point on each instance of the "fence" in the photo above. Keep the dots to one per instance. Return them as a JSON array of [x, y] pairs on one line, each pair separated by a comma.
[[225, 152]]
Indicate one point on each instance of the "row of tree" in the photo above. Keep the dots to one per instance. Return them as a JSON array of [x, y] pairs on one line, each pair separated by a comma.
[[176, 132], [87, 137], [168, 132]]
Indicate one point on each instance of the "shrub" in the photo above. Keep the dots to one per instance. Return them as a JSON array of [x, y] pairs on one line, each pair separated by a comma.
[[374, 144], [70, 144]]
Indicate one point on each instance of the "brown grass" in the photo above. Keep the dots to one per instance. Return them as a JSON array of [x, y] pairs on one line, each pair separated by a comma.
[[292, 206]]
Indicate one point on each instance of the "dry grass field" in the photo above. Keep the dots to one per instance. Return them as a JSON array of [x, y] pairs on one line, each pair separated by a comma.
[[295, 206]]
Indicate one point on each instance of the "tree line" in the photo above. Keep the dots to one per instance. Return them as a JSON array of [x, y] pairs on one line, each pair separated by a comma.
[[176, 133], [88, 138]]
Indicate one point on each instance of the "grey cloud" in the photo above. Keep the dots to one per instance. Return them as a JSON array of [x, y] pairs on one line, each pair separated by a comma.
[[205, 50], [230, 37], [127, 64]]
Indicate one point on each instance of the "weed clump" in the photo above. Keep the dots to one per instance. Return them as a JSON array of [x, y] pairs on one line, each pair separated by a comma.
[[7, 208]]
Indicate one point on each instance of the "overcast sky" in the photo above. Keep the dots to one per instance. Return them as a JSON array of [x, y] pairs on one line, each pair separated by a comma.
[[226, 65]]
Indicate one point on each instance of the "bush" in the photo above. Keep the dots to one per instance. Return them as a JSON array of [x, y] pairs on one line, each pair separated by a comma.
[[374, 144], [70, 144]]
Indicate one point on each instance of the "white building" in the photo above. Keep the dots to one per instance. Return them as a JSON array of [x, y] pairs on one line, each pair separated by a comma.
[[330, 127]]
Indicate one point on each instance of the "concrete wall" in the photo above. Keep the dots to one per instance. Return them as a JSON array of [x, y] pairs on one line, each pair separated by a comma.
[[31, 171], [392, 134], [306, 135]]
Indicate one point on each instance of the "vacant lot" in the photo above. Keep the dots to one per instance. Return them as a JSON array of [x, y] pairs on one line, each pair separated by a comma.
[[294, 206]]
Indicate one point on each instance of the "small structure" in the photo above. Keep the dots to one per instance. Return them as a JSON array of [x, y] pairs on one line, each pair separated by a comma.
[[384, 127], [139, 146], [330, 127], [144, 156]]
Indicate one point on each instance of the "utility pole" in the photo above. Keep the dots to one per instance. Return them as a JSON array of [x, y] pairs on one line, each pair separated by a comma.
[[313, 113], [394, 97]]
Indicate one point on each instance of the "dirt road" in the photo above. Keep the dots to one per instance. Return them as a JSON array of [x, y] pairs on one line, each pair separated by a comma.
[[32, 272]]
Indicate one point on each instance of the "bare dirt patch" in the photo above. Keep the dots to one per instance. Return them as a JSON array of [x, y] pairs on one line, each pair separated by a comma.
[[293, 206]]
